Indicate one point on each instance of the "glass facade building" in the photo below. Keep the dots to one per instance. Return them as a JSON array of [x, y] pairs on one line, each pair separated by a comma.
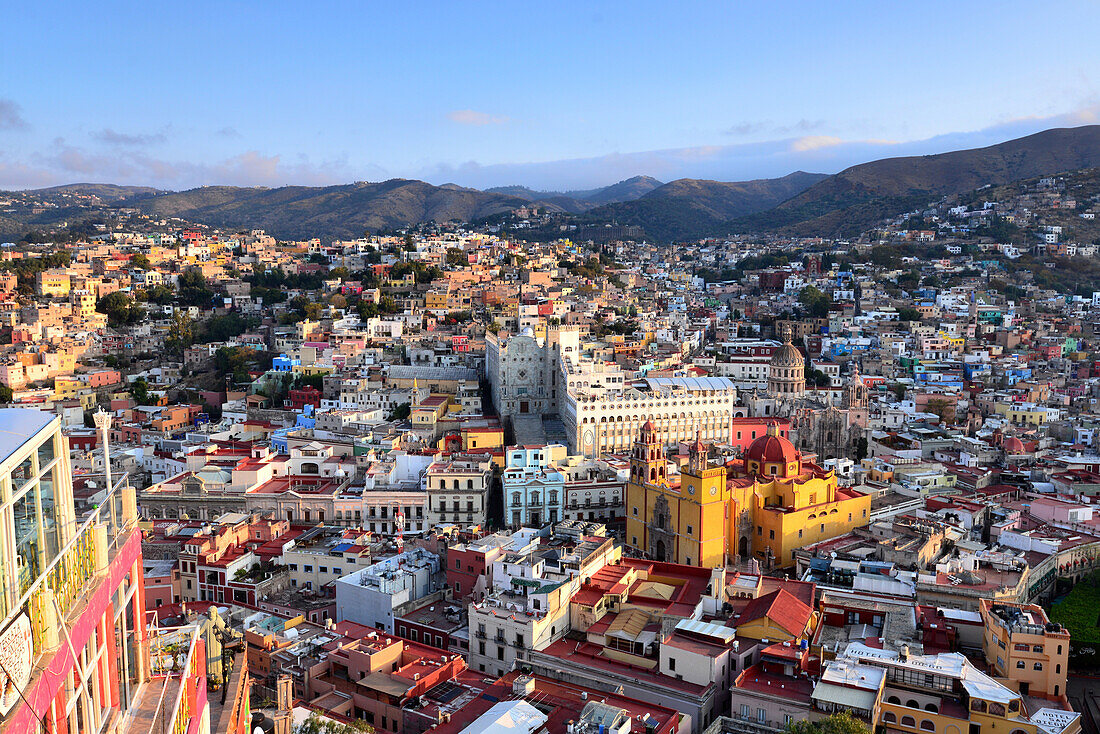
[[75, 639]]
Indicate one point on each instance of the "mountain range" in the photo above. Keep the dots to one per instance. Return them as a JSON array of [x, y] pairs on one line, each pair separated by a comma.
[[799, 203]]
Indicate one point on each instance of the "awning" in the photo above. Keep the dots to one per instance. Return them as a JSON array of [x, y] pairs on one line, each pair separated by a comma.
[[855, 698]]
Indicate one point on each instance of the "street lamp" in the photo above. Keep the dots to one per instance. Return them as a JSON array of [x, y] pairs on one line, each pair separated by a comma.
[[103, 423]]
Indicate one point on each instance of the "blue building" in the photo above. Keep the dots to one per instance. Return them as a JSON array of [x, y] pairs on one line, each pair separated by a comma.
[[283, 363], [534, 489]]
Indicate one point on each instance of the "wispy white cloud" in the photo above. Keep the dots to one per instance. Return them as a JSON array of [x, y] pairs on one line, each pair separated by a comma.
[[113, 137], [814, 142], [63, 162], [477, 119], [770, 127]]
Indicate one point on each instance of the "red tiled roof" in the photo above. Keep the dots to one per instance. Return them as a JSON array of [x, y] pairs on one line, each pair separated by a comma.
[[781, 607]]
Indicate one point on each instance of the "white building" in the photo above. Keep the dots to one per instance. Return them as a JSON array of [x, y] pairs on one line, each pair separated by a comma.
[[607, 421], [370, 595], [458, 489]]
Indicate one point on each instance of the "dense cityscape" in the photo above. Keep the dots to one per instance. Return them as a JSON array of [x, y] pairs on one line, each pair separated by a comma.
[[572, 368], [443, 478]]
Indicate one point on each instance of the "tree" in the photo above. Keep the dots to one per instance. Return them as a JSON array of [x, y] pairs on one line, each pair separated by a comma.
[[181, 333], [456, 257], [193, 289], [139, 391], [120, 308], [6, 395], [140, 260], [160, 294], [908, 313], [814, 302], [400, 412], [944, 409], [842, 723], [314, 724], [222, 328]]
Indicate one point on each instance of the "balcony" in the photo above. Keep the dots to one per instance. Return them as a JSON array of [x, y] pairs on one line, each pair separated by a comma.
[[56, 594], [176, 688]]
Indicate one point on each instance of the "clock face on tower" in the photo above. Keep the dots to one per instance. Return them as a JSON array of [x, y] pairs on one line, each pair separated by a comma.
[[691, 490], [713, 491]]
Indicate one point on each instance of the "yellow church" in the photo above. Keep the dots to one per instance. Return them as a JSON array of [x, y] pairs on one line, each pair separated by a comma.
[[765, 505]]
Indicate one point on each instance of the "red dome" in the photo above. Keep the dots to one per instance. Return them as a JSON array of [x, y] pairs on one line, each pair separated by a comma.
[[1013, 445], [771, 450]]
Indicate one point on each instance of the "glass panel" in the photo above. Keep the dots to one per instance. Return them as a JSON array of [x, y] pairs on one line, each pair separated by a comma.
[[50, 519], [27, 544], [45, 453], [21, 474]]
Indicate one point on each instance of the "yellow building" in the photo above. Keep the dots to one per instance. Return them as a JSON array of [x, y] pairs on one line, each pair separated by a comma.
[[1022, 645], [55, 282], [67, 387], [1022, 413], [765, 506]]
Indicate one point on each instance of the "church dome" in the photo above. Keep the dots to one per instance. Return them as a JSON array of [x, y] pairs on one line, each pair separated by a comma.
[[788, 355], [771, 449], [1013, 445]]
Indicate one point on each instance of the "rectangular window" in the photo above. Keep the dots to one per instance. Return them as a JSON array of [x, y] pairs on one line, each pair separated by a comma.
[[690, 530], [746, 712], [761, 715], [771, 535], [672, 663]]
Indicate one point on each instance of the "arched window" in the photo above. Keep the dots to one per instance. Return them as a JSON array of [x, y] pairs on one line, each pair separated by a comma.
[[890, 717], [927, 725], [908, 721], [911, 703], [456, 484], [469, 484], [891, 699], [931, 707]]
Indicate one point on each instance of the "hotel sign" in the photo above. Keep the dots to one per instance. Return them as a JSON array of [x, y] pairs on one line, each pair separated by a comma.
[[16, 661]]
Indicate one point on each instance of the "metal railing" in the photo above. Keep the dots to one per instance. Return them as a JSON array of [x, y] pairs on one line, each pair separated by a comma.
[[174, 716], [69, 573]]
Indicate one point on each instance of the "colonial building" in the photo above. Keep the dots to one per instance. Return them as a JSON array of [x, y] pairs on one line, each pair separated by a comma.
[[534, 488], [458, 489], [828, 422], [524, 371], [606, 420], [765, 505]]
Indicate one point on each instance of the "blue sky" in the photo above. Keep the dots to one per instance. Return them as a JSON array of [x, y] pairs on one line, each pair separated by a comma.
[[548, 94]]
